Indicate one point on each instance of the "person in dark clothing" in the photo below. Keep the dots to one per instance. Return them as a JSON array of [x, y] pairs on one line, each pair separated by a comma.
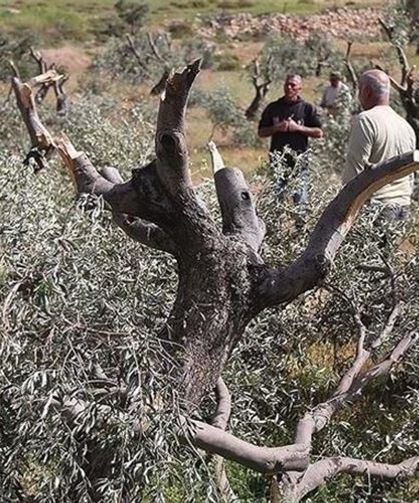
[[290, 122]]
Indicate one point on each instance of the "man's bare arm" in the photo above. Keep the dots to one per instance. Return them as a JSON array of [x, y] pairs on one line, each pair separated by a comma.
[[278, 127], [311, 132]]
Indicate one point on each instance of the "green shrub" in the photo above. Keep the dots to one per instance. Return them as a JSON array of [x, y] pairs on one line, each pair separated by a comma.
[[181, 29], [227, 62]]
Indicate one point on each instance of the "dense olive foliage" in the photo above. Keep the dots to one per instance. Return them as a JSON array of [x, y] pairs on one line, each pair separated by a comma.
[[78, 297], [79, 300]]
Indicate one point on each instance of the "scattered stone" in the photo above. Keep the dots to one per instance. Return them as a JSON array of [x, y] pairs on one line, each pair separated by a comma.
[[344, 23]]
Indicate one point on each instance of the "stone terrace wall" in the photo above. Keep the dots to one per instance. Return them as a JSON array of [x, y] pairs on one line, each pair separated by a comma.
[[344, 23]]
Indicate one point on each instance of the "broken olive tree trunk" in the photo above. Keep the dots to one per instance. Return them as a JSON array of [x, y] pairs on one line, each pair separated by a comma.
[[56, 84], [223, 282]]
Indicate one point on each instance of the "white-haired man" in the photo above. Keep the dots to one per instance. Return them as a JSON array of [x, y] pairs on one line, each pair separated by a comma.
[[379, 133]]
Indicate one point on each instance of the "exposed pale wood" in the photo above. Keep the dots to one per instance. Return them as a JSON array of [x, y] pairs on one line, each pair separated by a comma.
[[42, 144]]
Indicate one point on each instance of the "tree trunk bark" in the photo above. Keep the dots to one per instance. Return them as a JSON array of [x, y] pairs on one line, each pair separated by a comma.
[[211, 311]]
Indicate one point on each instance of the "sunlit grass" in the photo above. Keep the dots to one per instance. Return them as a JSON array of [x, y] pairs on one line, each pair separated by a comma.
[[74, 19]]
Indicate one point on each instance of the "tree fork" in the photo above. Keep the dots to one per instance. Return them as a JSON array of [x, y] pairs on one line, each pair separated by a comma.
[[223, 282]]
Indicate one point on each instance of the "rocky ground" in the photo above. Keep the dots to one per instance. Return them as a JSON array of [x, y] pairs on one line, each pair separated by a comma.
[[344, 23]]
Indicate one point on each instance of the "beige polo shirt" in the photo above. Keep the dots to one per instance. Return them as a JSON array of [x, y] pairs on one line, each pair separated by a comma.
[[376, 135]]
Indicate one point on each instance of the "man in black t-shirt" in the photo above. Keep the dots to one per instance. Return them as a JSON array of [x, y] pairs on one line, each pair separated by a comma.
[[291, 121]]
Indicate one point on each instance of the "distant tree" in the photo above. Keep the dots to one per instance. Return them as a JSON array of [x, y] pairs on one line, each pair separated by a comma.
[[132, 13], [261, 83]]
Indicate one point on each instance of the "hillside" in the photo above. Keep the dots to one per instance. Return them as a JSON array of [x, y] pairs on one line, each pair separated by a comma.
[[70, 34]]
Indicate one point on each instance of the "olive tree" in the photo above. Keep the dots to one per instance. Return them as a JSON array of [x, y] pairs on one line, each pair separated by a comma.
[[223, 284]]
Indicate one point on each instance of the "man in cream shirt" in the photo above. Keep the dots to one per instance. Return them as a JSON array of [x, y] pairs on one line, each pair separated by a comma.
[[332, 93], [377, 134]]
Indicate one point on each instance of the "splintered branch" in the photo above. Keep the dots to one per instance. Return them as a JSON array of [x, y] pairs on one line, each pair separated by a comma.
[[121, 197], [282, 285], [47, 78], [42, 68], [237, 207], [171, 149], [160, 194], [42, 144], [161, 84], [217, 162], [14, 70], [56, 83]]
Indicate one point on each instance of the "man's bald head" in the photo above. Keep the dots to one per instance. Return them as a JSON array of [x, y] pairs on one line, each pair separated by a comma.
[[374, 89]]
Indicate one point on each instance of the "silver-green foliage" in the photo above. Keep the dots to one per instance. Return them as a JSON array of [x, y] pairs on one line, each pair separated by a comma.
[[78, 296], [282, 55], [118, 59]]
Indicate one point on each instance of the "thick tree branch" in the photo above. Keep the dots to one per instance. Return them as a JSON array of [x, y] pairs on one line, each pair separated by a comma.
[[213, 440], [144, 232], [277, 286], [223, 410], [171, 149], [136, 228], [122, 197], [236, 203], [323, 471], [267, 460]]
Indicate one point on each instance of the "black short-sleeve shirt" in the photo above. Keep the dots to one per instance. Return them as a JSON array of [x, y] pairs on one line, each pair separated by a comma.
[[302, 112]]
